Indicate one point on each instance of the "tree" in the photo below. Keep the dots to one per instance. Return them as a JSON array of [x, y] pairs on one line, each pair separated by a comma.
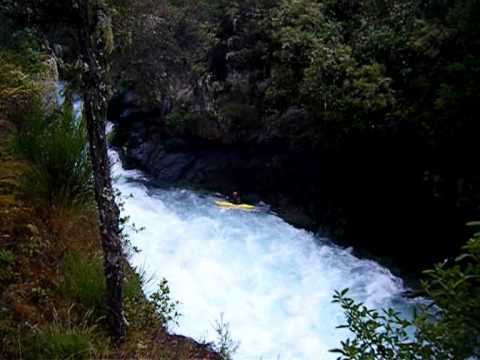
[[96, 43], [85, 27]]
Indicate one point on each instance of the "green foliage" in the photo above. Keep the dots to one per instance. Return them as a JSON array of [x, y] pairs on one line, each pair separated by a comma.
[[21, 60], [84, 281], [384, 335], [133, 284], [22, 47], [454, 288], [18, 92], [139, 312], [58, 344], [157, 310], [225, 346], [163, 303], [315, 66], [7, 260], [57, 148], [448, 328], [353, 66]]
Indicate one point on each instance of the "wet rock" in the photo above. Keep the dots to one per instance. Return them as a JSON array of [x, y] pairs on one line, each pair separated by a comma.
[[172, 167]]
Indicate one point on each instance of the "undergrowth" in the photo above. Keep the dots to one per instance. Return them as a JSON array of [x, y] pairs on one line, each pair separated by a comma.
[[66, 337], [56, 147], [52, 282], [84, 281], [58, 342]]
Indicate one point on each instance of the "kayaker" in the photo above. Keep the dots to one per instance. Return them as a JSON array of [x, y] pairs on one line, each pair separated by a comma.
[[235, 198]]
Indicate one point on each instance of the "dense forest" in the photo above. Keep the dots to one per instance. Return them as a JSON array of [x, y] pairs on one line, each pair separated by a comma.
[[353, 119]]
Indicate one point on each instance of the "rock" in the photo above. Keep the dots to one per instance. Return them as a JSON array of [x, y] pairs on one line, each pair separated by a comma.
[[173, 167]]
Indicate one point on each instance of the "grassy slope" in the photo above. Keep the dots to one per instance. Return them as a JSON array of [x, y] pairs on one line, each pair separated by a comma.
[[35, 309]]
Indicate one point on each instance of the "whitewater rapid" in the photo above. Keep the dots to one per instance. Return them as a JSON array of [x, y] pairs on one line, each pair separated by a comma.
[[273, 283]]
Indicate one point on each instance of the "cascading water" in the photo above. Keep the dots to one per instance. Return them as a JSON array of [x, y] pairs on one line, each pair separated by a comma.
[[272, 282]]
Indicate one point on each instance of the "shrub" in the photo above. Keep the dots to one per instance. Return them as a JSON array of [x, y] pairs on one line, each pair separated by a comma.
[[159, 309], [164, 305], [447, 328], [57, 148]]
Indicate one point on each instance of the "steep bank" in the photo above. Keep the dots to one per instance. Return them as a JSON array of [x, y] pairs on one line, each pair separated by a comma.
[[41, 316], [52, 280]]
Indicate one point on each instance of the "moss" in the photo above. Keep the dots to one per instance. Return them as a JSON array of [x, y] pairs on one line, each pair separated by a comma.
[[105, 33]]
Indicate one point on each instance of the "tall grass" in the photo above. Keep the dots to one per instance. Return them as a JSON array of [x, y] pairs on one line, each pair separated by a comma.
[[68, 336], [59, 343], [56, 147], [84, 281]]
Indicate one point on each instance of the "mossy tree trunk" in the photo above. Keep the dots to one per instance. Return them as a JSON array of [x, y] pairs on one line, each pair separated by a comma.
[[95, 44]]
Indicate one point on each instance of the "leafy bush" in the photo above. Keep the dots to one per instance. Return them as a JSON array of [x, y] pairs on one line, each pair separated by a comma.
[[56, 146], [447, 328], [144, 312], [163, 303]]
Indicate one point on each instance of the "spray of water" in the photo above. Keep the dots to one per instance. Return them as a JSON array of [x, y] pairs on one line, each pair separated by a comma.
[[273, 282]]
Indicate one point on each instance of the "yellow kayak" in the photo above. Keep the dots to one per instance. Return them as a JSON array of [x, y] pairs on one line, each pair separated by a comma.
[[229, 205]]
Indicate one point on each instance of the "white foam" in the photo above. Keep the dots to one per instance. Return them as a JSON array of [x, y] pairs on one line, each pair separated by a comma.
[[273, 283]]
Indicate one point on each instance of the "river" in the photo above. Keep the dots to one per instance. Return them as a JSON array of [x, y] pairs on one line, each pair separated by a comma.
[[272, 282]]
